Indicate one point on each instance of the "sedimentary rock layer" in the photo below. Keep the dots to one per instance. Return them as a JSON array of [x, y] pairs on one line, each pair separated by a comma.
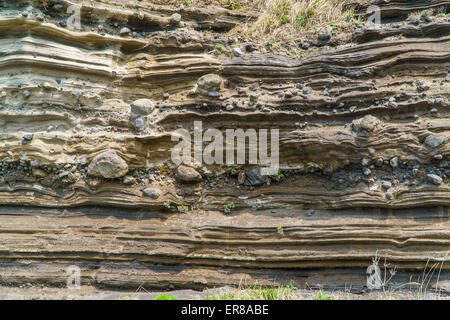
[[350, 187]]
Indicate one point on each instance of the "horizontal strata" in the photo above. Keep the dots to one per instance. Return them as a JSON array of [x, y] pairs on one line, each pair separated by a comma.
[[402, 8], [66, 97], [144, 245]]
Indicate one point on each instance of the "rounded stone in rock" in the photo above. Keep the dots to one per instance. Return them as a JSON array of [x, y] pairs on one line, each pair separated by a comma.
[[249, 47], [433, 141], [124, 31], [386, 185], [237, 52], [390, 194], [28, 137], [47, 86], [394, 162], [108, 165], [34, 163], [325, 34], [39, 172], [142, 107], [434, 179], [367, 122], [129, 180], [253, 176], [328, 169], [208, 82], [152, 192], [188, 174], [213, 94], [306, 91], [77, 95], [175, 18], [139, 123]]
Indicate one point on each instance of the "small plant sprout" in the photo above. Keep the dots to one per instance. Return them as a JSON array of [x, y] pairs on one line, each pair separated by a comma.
[[284, 19], [280, 230], [218, 46], [233, 5], [186, 3], [182, 209], [302, 19], [277, 177], [425, 13], [279, 174], [235, 172], [228, 207]]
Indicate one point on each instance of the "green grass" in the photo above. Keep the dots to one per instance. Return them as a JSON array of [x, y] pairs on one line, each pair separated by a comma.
[[284, 19], [322, 296], [256, 293], [302, 19], [165, 297]]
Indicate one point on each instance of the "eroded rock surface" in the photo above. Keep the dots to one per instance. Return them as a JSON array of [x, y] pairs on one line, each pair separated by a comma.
[[87, 116]]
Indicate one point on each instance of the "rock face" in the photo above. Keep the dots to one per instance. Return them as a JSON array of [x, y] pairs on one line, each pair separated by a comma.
[[364, 163], [188, 174], [108, 165]]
